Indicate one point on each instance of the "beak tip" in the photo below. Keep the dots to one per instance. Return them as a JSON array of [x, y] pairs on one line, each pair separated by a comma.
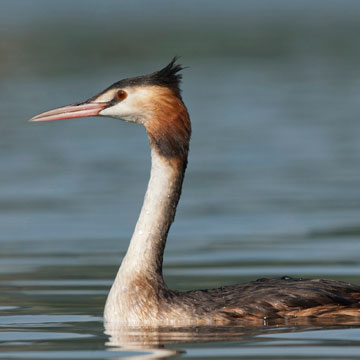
[[33, 119]]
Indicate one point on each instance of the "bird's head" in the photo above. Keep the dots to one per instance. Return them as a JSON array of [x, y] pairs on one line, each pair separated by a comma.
[[152, 100]]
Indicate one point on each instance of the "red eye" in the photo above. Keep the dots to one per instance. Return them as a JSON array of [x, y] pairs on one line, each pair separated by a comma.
[[121, 95]]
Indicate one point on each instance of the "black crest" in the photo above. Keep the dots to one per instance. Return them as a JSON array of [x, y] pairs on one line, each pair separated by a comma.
[[169, 76]]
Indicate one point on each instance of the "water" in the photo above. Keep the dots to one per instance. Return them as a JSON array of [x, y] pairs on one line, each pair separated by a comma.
[[272, 186]]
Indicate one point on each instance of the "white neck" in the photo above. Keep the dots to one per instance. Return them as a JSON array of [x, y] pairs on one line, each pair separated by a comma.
[[145, 252], [143, 260]]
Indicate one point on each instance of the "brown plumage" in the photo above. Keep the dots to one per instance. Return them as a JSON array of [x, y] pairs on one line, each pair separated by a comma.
[[139, 295], [281, 298], [169, 129]]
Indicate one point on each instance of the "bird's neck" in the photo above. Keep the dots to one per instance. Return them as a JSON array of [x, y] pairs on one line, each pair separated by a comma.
[[145, 253], [135, 294]]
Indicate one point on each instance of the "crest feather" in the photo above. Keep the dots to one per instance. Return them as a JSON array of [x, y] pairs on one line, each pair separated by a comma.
[[169, 76]]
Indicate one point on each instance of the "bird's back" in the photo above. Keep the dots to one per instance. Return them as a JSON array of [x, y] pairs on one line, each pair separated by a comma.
[[271, 299]]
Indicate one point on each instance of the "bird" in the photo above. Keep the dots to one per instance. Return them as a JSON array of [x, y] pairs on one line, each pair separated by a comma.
[[139, 295]]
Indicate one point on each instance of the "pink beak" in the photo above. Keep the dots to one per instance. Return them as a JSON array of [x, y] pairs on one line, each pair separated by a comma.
[[71, 112]]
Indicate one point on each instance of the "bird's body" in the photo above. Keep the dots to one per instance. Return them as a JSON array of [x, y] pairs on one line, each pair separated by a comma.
[[139, 295], [256, 301]]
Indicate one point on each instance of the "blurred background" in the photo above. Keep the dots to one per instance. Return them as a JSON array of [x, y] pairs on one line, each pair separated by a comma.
[[272, 186]]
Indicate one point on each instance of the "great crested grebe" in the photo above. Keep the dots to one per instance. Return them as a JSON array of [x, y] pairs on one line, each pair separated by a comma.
[[139, 295]]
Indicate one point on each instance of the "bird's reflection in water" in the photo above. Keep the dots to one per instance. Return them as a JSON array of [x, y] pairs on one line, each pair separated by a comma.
[[153, 341]]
